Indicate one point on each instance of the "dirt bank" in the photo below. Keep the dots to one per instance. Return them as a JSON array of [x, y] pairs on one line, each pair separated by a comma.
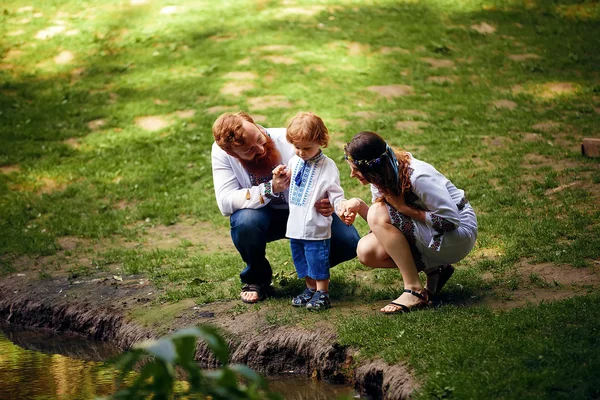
[[101, 308]]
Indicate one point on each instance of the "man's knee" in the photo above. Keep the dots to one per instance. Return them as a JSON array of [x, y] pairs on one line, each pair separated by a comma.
[[248, 221], [249, 230]]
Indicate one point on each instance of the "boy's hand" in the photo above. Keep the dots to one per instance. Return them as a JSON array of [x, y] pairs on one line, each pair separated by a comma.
[[348, 210], [279, 170], [348, 218], [281, 178]]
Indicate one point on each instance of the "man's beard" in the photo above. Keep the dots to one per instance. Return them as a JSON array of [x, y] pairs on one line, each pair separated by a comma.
[[263, 165]]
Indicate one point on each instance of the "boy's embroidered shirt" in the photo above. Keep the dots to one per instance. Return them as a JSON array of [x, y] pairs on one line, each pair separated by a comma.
[[311, 181]]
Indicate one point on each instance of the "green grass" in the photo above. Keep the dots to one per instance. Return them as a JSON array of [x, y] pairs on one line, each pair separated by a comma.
[[115, 180], [535, 352]]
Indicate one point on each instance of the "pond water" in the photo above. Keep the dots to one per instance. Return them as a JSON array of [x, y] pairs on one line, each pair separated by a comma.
[[45, 365]]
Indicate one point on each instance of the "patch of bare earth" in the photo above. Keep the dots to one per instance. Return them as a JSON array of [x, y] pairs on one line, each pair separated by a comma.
[[184, 114], [524, 57], [300, 11], [435, 63], [442, 79], [279, 59], [96, 124], [221, 109], [12, 54], [151, 123], [241, 76], [259, 118], [484, 28], [366, 114], [391, 91], [73, 143], [266, 102], [201, 234], [392, 50], [357, 49], [547, 126], [9, 169], [49, 32], [545, 282], [275, 48], [529, 136], [64, 57], [556, 89], [411, 126], [236, 89], [49, 185], [497, 141], [505, 104]]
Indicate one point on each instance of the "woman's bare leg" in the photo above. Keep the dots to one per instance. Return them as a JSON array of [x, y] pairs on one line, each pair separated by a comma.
[[371, 253], [396, 246]]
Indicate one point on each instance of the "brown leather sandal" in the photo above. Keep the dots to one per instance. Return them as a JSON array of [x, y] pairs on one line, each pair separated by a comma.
[[261, 291], [402, 309]]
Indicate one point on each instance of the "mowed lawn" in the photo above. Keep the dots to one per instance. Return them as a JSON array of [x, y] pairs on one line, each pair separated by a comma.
[[106, 111]]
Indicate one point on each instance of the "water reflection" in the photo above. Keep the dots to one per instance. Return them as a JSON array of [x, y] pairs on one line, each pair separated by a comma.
[[298, 388], [50, 366], [32, 370]]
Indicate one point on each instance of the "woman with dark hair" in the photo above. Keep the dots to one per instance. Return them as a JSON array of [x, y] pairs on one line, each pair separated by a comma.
[[419, 220]]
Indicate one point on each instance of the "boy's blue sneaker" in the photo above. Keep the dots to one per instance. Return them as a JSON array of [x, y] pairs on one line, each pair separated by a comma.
[[303, 298], [319, 301]]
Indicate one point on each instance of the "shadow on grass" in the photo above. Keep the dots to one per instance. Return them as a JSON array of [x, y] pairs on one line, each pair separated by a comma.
[[151, 170]]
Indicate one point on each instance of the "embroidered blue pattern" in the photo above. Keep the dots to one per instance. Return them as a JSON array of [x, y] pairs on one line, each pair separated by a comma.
[[299, 194], [276, 198]]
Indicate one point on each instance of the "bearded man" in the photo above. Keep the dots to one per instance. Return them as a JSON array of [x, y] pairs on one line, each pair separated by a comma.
[[243, 157]]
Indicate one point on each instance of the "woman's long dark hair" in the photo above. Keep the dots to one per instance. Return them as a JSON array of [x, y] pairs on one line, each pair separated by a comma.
[[366, 146]]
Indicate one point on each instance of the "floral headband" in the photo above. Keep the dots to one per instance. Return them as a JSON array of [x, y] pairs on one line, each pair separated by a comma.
[[369, 163]]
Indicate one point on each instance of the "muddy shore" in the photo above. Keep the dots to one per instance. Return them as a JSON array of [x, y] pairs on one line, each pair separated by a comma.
[[101, 307]]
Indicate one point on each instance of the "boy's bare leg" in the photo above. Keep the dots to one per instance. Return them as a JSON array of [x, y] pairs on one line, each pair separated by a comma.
[[311, 283], [323, 285]]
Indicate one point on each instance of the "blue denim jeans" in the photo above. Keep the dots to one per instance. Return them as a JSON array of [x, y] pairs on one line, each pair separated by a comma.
[[251, 230], [311, 258]]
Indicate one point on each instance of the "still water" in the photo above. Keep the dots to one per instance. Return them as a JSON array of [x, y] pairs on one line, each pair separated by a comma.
[[44, 365]]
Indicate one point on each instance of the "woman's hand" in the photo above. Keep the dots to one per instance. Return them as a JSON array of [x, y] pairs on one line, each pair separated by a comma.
[[399, 203], [281, 178]]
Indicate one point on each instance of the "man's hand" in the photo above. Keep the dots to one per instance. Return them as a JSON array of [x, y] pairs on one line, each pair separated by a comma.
[[324, 207], [281, 178]]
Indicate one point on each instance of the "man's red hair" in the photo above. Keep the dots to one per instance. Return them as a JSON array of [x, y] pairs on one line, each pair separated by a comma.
[[228, 130]]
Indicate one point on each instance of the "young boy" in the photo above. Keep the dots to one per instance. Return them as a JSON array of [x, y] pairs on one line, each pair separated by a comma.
[[313, 177]]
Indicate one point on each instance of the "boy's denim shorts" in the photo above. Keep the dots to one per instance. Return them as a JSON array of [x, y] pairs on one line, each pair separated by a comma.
[[311, 258]]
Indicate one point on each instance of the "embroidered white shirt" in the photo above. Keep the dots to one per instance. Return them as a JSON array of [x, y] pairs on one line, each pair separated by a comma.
[[434, 193], [234, 188], [320, 179]]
